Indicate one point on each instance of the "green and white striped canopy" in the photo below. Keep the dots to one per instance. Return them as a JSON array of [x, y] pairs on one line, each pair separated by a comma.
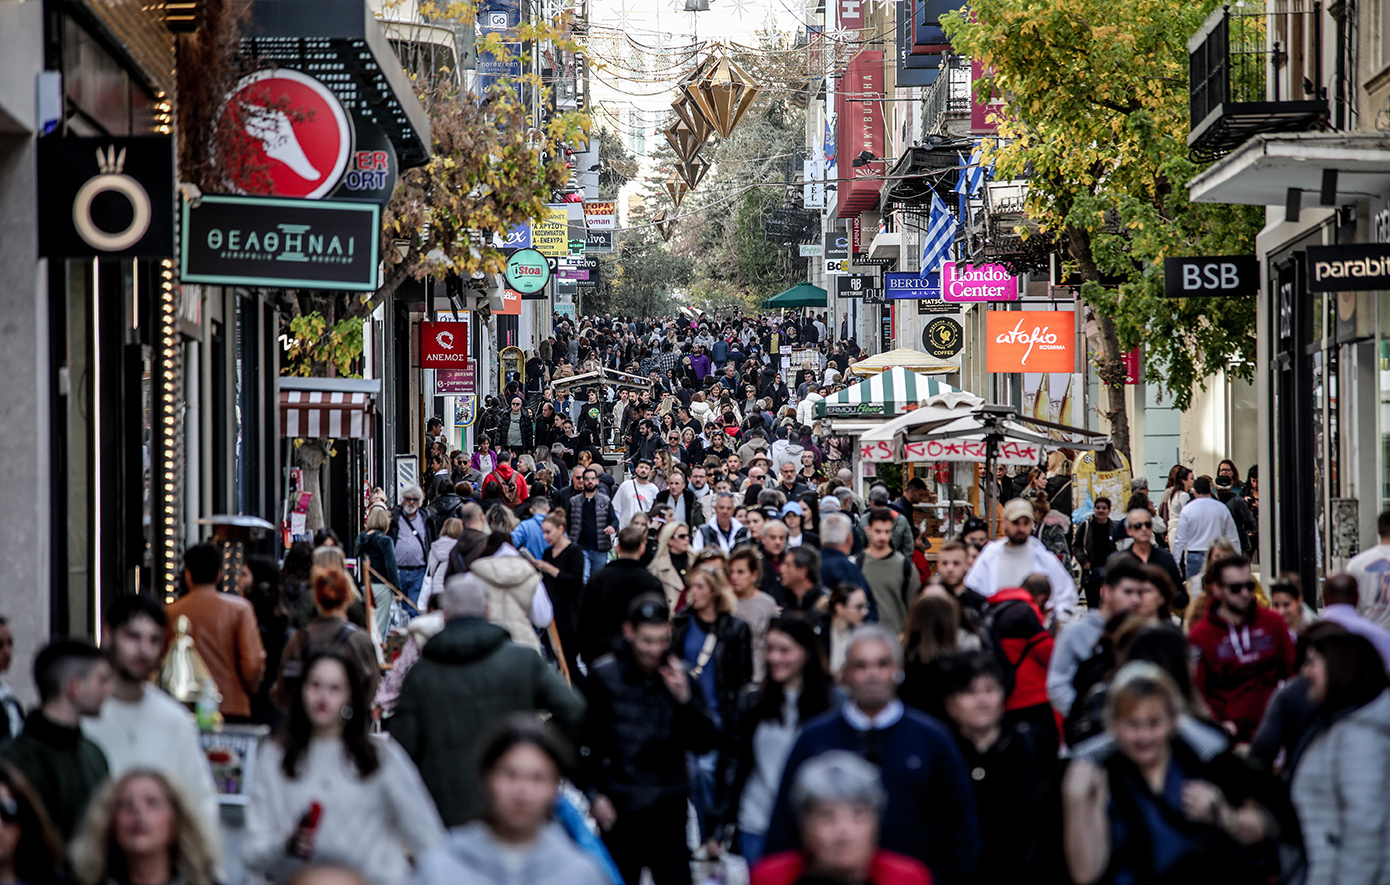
[[894, 392]]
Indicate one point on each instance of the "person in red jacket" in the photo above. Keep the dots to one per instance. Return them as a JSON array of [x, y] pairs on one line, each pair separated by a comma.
[[1242, 652], [1023, 647], [838, 798]]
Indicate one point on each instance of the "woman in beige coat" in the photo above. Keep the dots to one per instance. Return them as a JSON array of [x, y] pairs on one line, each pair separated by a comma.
[[672, 561]]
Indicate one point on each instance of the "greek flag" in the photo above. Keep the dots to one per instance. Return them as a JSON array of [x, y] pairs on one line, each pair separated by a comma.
[[972, 174], [941, 233]]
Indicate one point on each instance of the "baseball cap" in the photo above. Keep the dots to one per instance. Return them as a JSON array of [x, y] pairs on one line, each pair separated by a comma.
[[1017, 509], [790, 509]]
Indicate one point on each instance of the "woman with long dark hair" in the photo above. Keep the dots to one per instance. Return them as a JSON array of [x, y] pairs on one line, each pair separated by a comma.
[[30, 850], [1341, 779], [325, 787], [795, 690], [517, 839]]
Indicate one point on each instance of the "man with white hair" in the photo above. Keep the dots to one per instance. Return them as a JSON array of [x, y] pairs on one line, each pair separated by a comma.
[[413, 535], [930, 809], [1006, 561], [470, 676]]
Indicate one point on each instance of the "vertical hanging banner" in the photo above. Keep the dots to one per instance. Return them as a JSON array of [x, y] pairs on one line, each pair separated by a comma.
[[861, 130]]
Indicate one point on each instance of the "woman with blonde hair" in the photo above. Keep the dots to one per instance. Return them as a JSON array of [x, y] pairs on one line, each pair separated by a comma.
[[501, 520], [142, 829], [717, 650], [672, 562], [663, 464]]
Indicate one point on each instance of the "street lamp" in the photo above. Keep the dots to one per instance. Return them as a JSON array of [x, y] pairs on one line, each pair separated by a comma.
[[865, 158]]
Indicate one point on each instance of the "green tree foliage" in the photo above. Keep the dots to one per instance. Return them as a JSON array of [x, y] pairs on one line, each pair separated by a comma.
[[1096, 117], [617, 164]]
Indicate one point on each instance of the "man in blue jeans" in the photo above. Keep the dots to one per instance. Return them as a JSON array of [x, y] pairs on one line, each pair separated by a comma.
[[592, 523], [413, 536], [1203, 520]]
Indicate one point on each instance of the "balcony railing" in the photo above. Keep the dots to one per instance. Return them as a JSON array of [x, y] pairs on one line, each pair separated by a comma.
[[1253, 73], [948, 98]]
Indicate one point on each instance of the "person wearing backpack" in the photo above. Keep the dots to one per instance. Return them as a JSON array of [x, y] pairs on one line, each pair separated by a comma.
[[510, 483], [445, 504], [1013, 631], [892, 577]]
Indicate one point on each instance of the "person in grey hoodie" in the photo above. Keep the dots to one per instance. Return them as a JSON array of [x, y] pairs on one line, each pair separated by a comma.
[[1342, 777], [517, 841]]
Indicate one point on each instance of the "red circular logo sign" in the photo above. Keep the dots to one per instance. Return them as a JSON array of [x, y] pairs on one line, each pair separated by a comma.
[[296, 134]]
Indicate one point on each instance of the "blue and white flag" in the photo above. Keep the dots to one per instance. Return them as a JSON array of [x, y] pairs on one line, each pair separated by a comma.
[[941, 233], [972, 174]]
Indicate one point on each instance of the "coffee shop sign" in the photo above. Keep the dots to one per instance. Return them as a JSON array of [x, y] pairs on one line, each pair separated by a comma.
[[287, 242]]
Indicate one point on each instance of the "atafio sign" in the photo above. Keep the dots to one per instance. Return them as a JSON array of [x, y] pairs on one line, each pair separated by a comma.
[[984, 282], [1207, 275], [1349, 268], [444, 345], [271, 241], [1030, 341], [527, 271]]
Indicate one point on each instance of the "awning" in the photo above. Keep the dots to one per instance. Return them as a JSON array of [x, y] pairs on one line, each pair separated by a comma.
[[893, 392], [928, 435], [335, 408], [1261, 172], [341, 43], [904, 358], [800, 295]]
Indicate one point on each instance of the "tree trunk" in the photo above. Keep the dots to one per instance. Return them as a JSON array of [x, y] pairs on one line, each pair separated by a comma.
[[1112, 368], [310, 457]]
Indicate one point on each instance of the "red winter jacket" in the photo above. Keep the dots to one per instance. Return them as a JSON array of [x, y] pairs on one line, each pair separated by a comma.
[[1027, 644], [886, 868], [505, 471], [1238, 666]]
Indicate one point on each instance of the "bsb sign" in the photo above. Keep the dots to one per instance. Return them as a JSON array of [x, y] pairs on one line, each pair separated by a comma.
[[1030, 341], [292, 244], [1220, 275]]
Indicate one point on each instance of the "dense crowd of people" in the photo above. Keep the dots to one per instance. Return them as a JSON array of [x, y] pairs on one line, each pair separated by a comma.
[[651, 625]]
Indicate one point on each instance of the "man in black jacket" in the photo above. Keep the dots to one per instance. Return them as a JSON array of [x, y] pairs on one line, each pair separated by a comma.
[[609, 592], [687, 506], [1092, 546], [644, 715]]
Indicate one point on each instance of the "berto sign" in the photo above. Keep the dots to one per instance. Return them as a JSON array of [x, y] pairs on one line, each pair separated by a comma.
[[985, 282], [527, 271]]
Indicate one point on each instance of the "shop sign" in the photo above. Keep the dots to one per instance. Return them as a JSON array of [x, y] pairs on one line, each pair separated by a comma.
[[1030, 341], [855, 409], [985, 282], [837, 244], [527, 271], [518, 236], [455, 382], [810, 250], [444, 345], [106, 197], [932, 306], [836, 266], [598, 241], [943, 337], [1211, 275], [283, 243], [852, 286], [371, 172], [511, 303], [1133, 363], [600, 214], [550, 233], [860, 120], [298, 135], [874, 295], [1361, 268], [911, 286]]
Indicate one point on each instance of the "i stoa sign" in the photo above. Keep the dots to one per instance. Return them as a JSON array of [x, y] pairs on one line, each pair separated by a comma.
[[1030, 341]]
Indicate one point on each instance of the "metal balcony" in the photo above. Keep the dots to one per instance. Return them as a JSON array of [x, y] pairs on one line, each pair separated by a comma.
[[1253, 73]]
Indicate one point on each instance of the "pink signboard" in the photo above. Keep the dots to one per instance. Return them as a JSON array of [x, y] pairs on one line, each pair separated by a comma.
[[977, 282], [1133, 366], [454, 382]]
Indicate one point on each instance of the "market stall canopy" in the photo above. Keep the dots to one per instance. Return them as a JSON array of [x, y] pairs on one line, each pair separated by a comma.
[[893, 392], [800, 295], [905, 358], [925, 435], [336, 408]]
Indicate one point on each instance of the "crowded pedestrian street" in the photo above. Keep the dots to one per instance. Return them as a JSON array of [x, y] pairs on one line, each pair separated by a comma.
[[695, 442]]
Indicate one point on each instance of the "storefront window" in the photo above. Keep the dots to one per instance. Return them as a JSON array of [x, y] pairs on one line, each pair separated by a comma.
[[1383, 374]]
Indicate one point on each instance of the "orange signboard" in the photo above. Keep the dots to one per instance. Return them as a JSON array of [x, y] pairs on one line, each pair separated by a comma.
[[511, 303], [1030, 341]]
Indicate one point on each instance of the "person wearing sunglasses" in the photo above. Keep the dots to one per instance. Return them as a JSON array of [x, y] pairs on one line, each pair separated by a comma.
[[1139, 526], [1241, 650]]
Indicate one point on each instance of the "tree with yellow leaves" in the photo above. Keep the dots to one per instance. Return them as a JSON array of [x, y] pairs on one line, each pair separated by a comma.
[[1095, 116]]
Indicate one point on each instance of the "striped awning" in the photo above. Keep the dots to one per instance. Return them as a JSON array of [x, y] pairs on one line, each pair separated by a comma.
[[311, 414], [893, 392]]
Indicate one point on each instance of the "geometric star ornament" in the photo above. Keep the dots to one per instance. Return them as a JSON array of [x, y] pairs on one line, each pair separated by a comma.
[[689, 115], [676, 189], [664, 227], [684, 140], [721, 91], [693, 171]]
